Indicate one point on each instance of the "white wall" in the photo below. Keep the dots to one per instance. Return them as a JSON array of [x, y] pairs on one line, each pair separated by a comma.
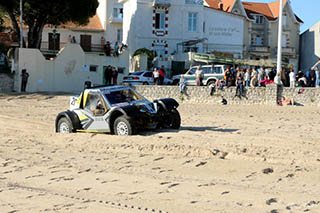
[[65, 33], [224, 31], [66, 72], [310, 47], [137, 27], [101, 11]]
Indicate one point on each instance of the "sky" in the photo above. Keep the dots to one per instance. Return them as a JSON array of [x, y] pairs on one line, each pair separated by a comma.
[[306, 10]]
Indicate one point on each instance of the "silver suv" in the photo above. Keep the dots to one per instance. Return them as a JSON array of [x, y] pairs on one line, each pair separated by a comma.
[[211, 74]]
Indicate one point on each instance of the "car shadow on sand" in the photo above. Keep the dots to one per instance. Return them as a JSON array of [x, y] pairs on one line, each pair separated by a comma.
[[188, 128]]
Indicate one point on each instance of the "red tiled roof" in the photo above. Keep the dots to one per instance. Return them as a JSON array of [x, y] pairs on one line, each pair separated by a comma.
[[258, 8], [227, 4], [94, 24], [269, 10]]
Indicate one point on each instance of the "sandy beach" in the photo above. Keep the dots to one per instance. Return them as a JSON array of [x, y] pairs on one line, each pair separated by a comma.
[[233, 158]]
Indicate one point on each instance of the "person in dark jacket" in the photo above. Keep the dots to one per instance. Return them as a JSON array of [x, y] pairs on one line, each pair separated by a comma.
[[312, 77]]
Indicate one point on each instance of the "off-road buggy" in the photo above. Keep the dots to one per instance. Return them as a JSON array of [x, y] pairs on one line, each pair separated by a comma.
[[119, 110]]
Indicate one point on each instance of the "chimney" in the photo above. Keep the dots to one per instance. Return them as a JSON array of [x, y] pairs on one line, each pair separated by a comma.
[[220, 5]]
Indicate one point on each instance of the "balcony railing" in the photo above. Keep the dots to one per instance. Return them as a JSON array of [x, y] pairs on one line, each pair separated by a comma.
[[200, 2], [259, 49], [287, 51], [115, 19], [161, 3]]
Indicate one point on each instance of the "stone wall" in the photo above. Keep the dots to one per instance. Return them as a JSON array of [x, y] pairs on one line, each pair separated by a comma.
[[260, 95], [6, 83]]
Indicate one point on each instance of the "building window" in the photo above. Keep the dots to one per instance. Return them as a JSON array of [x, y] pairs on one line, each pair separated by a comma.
[[119, 35], [160, 18], [284, 20], [204, 27], [118, 12], [93, 68], [258, 19], [284, 40], [257, 40], [236, 11], [160, 51], [192, 22], [200, 2]]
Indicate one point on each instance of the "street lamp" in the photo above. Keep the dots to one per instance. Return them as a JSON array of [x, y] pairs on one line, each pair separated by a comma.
[[54, 37], [280, 38], [21, 26]]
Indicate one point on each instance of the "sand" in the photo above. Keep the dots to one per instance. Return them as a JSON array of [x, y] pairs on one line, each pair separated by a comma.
[[231, 158]]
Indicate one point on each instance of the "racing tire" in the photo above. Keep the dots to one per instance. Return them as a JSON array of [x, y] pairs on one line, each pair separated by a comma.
[[145, 83], [123, 126], [64, 126], [172, 120]]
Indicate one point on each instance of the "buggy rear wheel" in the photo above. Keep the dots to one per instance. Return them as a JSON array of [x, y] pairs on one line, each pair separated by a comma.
[[172, 120], [123, 126]]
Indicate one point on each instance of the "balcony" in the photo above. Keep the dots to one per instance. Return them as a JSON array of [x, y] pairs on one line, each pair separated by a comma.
[[199, 2], [291, 51], [259, 49], [161, 3]]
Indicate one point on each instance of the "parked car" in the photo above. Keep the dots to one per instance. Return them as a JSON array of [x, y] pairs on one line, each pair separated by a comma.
[[119, 110], [143, 77], [211, 74]]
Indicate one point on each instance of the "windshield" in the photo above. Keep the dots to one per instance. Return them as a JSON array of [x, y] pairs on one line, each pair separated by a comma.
[[135, 73], [122, 97], [192, 71]]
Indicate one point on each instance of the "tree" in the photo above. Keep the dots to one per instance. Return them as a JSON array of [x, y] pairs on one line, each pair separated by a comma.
[[38, 13]]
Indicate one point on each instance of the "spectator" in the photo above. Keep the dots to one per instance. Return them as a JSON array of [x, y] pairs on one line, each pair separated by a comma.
[[223, 101], [302, 82], [108, 75], [317, 78], [261, 76], [155, 76], [247, 77], [272, 74], [239, 88], [116, 49], [312, 77], [228, 77], [182, 85], [277, 80], [254, 78], [199, 76], [108, 49], [24, 80], [162, 74], [114, 76], [292, 77]]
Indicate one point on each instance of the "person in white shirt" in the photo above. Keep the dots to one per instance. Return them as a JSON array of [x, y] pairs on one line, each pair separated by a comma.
[[292, 77], [155, 76], [277, 79], [199, 76]]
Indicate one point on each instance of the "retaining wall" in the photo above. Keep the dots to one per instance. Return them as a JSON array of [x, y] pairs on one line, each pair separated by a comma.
[[259, 95], [6, 82]]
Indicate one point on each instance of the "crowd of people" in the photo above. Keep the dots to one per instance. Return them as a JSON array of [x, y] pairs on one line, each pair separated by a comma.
[[115, 51], [110, 75], [258, 77], [158, 75]]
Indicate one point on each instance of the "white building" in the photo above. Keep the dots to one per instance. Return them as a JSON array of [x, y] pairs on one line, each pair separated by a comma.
[[310, 47], [110, 13], [174, 27]]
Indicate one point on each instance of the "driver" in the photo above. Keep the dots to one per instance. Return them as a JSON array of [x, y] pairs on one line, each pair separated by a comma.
[[97, 109]]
